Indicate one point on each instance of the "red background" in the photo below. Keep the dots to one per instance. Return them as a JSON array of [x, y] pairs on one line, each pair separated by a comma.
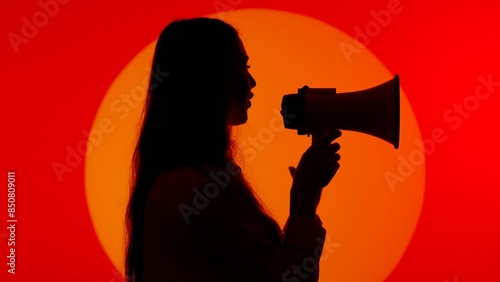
[[52, 88]]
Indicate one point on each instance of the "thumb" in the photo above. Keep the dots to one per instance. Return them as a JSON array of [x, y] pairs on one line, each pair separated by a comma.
[[292, 170]]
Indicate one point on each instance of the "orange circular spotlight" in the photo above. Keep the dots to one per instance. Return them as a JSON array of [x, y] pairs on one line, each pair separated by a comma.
[[371, 207]]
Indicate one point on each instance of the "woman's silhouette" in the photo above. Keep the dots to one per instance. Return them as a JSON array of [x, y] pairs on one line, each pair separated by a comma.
[[191, 214]]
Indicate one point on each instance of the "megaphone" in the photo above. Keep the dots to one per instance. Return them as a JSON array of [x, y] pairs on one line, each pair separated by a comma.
[[374, 111]]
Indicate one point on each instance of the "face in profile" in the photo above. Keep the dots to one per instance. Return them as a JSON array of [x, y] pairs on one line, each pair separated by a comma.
[[241, 90]]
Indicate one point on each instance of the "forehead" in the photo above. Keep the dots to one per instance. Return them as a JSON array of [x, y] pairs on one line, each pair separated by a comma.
[[242, 50]]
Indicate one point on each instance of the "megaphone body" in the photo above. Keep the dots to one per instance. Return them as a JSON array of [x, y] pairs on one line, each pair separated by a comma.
[[374, 111]]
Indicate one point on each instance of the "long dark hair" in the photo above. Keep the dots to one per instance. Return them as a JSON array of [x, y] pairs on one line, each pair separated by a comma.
[[184, 121]]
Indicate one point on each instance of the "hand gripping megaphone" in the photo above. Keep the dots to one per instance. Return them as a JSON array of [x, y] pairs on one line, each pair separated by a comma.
[[374, 111]]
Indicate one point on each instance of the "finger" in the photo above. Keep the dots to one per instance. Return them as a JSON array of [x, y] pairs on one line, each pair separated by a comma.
[[333, 148], [334, 157], [332, 169], [292, 171], [331, 161], [325, 138]]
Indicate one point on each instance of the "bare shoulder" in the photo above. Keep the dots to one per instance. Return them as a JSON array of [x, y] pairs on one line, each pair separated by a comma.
[[181, 185], [180, 176], [176, 184]]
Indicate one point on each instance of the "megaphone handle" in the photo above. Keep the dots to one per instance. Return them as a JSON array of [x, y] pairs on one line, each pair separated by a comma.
[[325, 139]]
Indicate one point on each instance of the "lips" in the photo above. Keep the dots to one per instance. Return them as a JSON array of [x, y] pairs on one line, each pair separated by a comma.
[[250, 97]]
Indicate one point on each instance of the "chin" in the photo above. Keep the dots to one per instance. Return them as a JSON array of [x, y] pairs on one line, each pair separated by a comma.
[[240, 120]]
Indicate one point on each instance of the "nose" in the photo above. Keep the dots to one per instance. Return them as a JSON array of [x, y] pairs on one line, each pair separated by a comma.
[[253, 83]]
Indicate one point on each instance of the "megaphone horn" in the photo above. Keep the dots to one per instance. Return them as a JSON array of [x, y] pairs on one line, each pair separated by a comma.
[[374, 111]]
